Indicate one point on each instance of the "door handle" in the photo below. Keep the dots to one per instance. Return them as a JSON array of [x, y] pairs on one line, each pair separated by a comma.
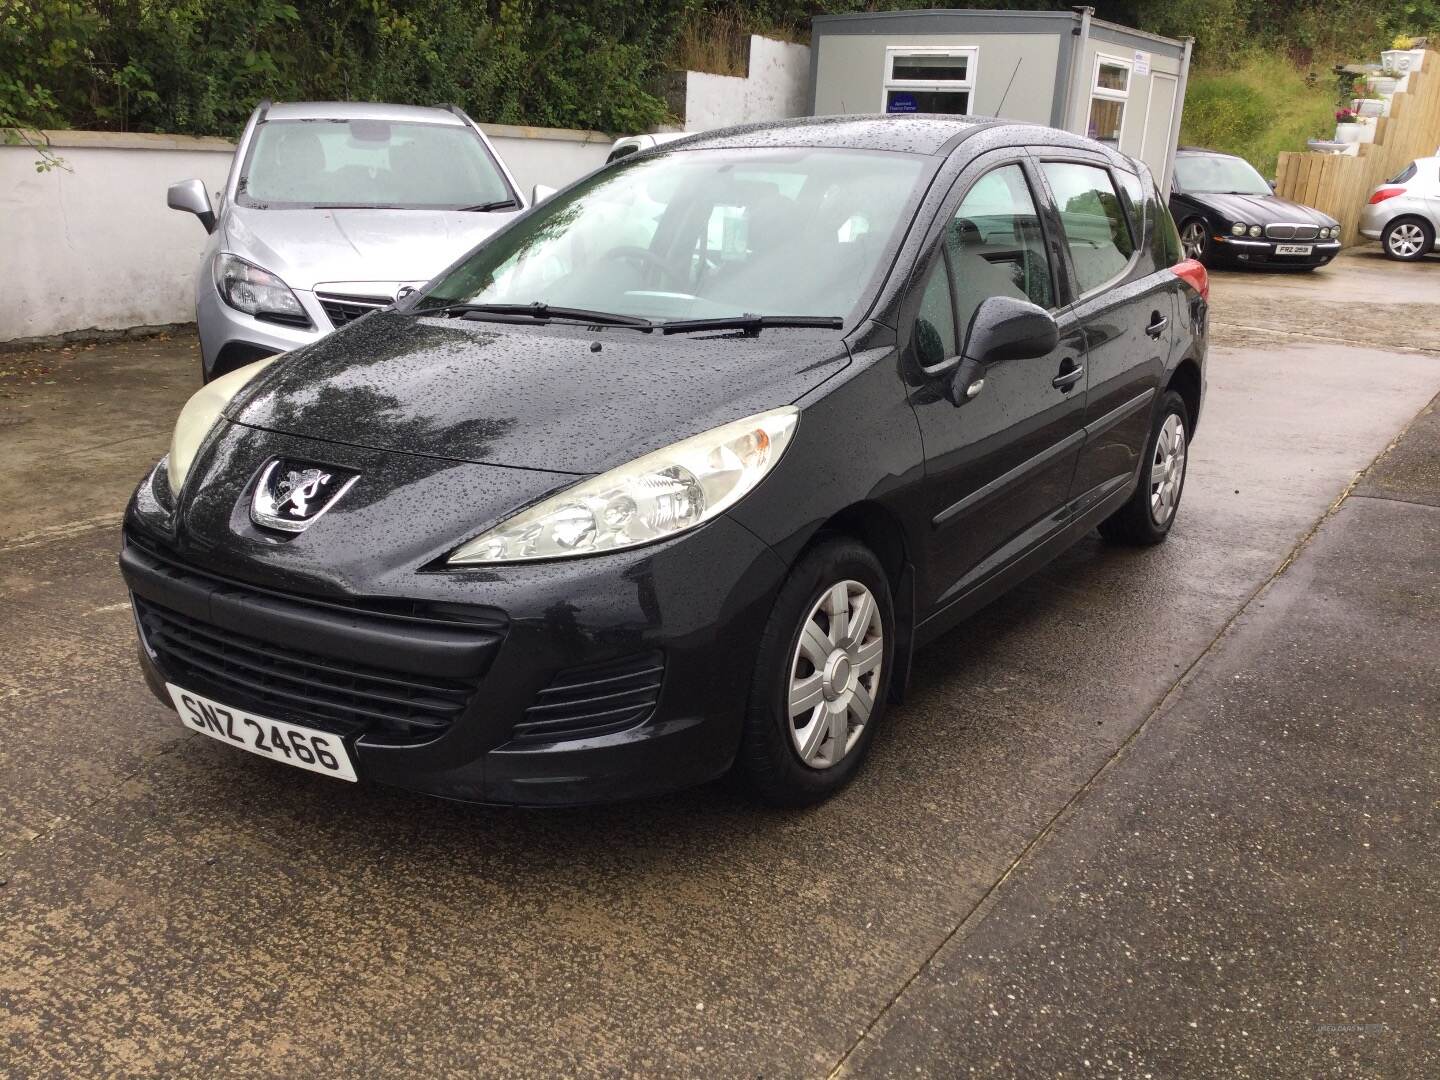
[[1069, 376], [1157, 325]]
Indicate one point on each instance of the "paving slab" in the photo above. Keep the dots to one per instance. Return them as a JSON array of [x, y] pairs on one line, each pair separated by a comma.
[[1249, 890]]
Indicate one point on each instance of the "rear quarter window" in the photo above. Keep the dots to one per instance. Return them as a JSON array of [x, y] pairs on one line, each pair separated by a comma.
[[1165, 238]]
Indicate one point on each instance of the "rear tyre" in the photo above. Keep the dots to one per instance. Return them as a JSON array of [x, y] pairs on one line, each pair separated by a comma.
[[821, 677], [1408, 239], [1147, 517], [1195, 240]]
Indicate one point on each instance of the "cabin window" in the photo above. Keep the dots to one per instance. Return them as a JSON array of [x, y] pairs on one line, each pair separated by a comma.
[[1109, 94], [929, 80]]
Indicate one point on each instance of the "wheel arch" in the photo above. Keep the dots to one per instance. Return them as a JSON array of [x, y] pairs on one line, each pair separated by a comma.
[[1186, 381], [880, 530]]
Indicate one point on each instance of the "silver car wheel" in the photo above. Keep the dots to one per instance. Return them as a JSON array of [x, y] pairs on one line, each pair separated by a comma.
[[1406, 240], [835, 674], [1167, 469], [1192, 239]]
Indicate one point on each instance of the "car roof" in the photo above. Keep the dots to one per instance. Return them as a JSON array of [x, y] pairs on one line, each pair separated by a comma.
[[359, 110], [1200, 151], [916, 133]]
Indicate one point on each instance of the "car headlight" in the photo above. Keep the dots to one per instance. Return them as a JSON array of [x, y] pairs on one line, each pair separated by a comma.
[[652, 498], [247, 288], [1255, 230], [199, 416], [1238, 229]]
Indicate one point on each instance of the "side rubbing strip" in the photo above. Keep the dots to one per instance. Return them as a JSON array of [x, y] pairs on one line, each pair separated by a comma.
[[1114, 416], [994, 487]]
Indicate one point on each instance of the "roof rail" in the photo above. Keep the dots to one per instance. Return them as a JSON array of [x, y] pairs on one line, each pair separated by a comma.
[[263, 109]]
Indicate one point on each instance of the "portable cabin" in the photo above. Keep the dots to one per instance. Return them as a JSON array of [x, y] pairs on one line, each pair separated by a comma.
[[1067, 69]]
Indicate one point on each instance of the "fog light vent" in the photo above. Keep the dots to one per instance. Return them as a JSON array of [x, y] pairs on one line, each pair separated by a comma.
[[594, 700]]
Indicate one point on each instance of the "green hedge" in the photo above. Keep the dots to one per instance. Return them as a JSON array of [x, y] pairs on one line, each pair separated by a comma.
[[199, 66]]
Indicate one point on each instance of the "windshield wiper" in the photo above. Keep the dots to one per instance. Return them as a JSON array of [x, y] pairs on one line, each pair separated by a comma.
[[539, 310], [751, 324], [486, 207]]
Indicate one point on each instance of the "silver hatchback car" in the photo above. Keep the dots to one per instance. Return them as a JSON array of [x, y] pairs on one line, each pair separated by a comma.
[[1404, 213], [329, 211]]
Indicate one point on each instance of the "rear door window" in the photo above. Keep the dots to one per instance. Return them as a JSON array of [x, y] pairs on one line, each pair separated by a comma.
[[1096, 230]]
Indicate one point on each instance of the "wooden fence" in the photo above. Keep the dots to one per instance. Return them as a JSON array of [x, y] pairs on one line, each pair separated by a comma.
[[1340, 184]]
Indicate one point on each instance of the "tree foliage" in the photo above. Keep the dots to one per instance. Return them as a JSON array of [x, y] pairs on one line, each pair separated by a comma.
[[199, 66]]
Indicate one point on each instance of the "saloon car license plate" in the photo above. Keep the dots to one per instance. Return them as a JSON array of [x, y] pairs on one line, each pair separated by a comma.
[[303, 747], [1294, 249]]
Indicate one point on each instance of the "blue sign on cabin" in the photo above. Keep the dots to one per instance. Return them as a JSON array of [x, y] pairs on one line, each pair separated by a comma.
[[900, 102]]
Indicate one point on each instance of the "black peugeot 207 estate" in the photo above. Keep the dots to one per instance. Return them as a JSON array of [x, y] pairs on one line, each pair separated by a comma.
[[676, 472]]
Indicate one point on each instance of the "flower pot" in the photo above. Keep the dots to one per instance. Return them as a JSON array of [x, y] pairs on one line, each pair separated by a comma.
[[1403, 60], [1374, 107], [1326, 146], [1348, 133], [1382, 84]]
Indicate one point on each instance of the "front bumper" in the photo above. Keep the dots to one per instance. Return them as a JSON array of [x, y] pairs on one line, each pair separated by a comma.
[[1244, 251], [695, 605]]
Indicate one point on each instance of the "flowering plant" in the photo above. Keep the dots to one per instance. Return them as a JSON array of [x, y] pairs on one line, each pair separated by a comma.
[[1347, 116]]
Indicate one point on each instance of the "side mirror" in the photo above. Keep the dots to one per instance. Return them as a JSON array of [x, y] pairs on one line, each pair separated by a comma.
[[1271, 183], [1001, 329], [539, 193], [191, 196]]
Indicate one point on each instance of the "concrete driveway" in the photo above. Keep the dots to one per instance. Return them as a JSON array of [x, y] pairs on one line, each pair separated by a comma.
[[1158, 813]]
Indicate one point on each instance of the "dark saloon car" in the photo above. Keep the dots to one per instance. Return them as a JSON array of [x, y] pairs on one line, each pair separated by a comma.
[[1228, 215], [673, 474]]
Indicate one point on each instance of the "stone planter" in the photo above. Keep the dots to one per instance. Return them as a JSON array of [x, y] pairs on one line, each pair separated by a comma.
[[1383, 85], [1355, 133], [1374, 107], [1326, 146], [1403, 60]]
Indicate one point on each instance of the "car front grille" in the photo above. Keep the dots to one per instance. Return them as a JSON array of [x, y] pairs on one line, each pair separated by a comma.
[[594, 700], [1292, 232], [342, 310], [321, 675], [338, 695]]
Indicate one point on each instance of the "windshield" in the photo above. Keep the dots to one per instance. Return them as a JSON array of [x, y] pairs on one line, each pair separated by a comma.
[[369, 163], [701, 234], [1219, 176]]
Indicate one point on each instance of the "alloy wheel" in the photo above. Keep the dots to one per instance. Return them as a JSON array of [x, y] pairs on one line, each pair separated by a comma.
[[835, 673], [1406, 240], [1192, 239], [1167, 469]]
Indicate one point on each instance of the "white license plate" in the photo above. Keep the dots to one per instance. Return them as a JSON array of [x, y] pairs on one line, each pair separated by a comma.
[[1294, 249], [303, 747]]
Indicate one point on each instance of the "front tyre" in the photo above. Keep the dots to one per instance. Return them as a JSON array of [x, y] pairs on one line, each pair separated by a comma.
[[1147, 517], [1195, 240], [821, 677]]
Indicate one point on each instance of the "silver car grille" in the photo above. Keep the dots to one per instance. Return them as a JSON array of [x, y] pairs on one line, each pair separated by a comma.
[[341, 309], [1292, 232]]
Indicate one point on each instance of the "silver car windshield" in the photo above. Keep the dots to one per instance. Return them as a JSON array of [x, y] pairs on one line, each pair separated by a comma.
[[295, 164], [702, 234], [1219, 176]]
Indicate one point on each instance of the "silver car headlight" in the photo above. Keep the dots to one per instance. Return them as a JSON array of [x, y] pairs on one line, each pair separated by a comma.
[[1238, 229], [1255, 230], [652, 498], [199, 416], [245, 287]]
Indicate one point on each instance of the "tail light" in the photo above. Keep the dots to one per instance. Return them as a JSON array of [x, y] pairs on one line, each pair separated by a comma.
[[1193, 274], [1381, 194]]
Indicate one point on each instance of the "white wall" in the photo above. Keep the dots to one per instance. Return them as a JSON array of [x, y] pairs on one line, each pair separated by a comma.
[[776, 87], [96, 248]]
